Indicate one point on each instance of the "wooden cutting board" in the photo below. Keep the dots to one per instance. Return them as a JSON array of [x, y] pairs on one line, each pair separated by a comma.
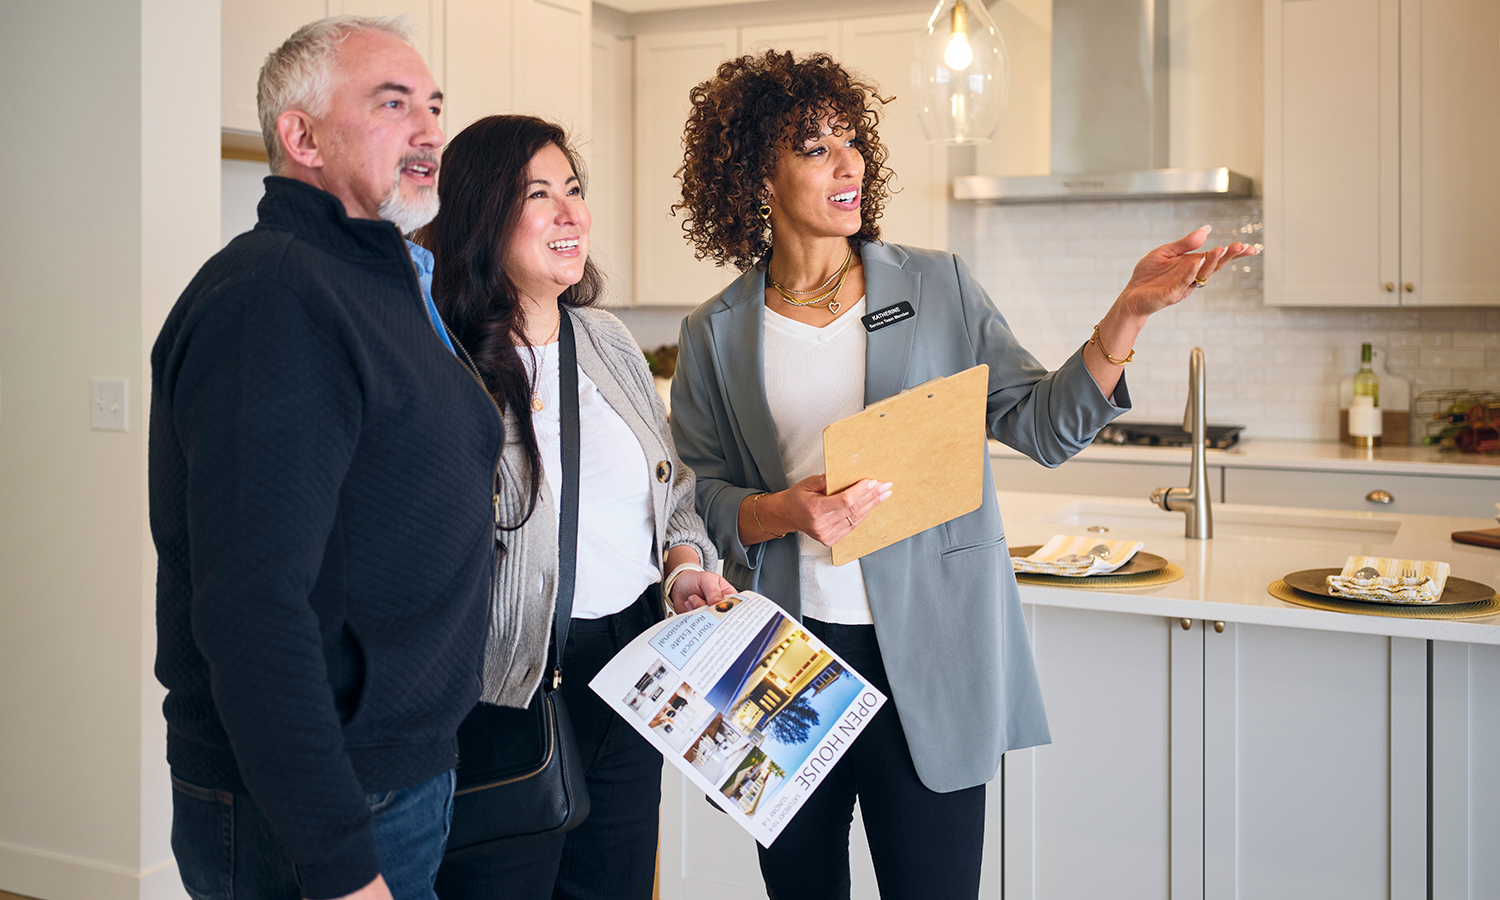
[[1483, 537]]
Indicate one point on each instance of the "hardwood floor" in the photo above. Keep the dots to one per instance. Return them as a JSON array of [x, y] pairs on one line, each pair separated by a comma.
[[6, 895]]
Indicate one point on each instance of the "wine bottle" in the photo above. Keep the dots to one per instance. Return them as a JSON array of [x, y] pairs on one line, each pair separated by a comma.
[[1364, 415]]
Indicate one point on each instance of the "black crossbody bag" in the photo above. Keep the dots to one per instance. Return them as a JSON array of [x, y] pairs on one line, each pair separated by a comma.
[[519, 772]]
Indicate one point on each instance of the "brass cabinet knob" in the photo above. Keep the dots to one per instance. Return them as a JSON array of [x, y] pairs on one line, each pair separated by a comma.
[[1390, 287], [1219, 627], [1410, 287], [1187, 624], [1380, 497]]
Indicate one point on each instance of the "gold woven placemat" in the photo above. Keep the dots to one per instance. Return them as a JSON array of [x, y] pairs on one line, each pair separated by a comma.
[[1170, 573], [1283, 591]]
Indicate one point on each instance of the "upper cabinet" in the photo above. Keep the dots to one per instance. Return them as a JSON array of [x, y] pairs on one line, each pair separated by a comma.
[[1380, 130], [669, 65], [488, 56]]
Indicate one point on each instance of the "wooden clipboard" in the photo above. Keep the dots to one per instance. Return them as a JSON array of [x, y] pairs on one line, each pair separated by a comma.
[[927, 441]]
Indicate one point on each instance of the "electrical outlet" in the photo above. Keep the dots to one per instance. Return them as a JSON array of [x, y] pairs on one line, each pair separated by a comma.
[[109, 406]]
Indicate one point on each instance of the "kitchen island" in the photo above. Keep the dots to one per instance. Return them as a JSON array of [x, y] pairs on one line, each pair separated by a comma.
[[1264, 750], [1210, 740]]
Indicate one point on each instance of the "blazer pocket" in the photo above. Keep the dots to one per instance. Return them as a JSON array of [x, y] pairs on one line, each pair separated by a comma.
[[969, 548]]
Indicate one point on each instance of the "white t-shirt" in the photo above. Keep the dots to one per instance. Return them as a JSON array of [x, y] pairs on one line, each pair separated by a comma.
[[814, 377], [616, 520]]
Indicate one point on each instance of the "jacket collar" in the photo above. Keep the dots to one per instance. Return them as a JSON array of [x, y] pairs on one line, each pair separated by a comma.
[[739, 344], [318, 217]]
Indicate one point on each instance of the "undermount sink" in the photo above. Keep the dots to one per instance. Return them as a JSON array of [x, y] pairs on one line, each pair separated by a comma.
[[1122, 521]]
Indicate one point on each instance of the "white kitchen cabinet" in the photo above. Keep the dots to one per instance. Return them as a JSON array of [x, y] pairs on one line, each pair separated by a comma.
[[1378, 135], [1427, 495], [1252, 762], [667, 66], [1465, 780], [518, 56], [250, 31]]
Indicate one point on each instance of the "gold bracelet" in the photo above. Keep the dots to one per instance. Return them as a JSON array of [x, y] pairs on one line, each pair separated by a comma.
[[1100, 344], [755, 511]]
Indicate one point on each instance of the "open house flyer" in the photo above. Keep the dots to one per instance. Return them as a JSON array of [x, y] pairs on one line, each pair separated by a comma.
[[753, 708]]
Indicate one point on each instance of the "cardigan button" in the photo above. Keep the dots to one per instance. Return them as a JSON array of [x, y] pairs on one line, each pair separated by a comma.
[[663, 471]]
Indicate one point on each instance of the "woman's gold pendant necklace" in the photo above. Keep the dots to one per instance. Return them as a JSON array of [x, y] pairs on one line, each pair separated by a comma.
[[536, 386], [823, 292]]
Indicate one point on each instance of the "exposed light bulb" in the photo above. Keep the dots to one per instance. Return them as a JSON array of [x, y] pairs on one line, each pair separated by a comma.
[[959, 54]]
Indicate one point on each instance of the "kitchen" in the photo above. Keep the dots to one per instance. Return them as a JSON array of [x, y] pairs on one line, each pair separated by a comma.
[[125, 203]]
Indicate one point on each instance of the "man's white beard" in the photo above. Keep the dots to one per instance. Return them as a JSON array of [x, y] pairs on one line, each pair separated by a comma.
[[409, 215]]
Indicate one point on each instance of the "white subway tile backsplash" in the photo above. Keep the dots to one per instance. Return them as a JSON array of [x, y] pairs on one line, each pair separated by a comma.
[[1054, 269]]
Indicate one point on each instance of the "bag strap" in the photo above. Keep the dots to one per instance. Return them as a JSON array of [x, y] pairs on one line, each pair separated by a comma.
[[567, 519]]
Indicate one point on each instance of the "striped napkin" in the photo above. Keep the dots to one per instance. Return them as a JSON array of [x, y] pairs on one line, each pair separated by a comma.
[[1390, 580], [1077, 556]]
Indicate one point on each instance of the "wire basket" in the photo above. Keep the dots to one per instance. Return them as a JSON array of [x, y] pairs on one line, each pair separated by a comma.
[[1459, 420]]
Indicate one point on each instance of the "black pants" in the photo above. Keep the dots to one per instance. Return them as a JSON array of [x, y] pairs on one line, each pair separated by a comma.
[[925, 844], [613, 853]]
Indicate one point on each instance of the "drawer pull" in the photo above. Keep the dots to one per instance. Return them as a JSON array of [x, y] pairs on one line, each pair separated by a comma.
[[1380, 497], [1187, 624], [1218, 627]]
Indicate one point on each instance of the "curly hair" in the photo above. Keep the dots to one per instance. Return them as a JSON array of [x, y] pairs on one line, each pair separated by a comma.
[[741, 119], [482, 188]]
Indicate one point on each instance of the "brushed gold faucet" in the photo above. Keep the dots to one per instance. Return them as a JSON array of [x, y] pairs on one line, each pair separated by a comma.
[[1194, 500]]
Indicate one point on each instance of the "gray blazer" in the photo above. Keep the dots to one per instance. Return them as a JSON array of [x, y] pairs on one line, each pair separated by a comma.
[[945, 605]]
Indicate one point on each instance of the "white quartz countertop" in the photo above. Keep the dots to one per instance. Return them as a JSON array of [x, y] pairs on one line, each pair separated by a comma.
[[1315, 455], [1226, 578]]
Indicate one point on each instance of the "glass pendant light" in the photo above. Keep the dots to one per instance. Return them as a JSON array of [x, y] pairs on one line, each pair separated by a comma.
[[961, 73]]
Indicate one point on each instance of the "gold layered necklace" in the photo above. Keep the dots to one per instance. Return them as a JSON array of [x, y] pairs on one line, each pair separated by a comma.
[[822, 293], [536, 381]]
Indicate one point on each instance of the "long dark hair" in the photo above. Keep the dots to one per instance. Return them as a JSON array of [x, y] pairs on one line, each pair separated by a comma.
[[481, 186]]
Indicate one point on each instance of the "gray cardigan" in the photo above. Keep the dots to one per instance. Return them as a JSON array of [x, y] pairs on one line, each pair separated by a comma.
[[945, 605], [525, 587]]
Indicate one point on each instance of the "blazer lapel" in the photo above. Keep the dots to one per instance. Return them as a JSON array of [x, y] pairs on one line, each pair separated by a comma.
[[739, 344], [888, 282]]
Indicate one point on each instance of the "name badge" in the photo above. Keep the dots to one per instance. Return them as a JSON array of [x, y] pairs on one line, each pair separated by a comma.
[[882, 318]]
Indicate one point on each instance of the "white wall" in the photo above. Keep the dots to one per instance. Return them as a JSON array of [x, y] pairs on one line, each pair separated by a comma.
[[111, 126]]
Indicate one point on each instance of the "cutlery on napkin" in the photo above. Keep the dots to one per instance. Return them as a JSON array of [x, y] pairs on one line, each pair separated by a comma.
[[1390, 580], [1077, 556]]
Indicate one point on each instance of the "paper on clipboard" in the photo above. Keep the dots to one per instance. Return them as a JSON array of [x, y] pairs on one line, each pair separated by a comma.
[[929, 442]]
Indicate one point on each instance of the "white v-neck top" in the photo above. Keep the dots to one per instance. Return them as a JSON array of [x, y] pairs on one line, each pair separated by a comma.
[[615, 519], [814, 377]]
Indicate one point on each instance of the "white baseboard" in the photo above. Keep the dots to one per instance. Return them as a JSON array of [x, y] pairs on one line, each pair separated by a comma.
[[54, 876]]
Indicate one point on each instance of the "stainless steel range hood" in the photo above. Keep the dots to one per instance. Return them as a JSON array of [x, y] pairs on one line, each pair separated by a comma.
[[1110, 114]]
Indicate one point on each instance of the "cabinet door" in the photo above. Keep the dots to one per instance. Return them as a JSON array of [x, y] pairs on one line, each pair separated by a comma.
[[1332, 153], [1450, 132], [250, 30], [1423, 495], [552, 45], [426, 19], [1314, 764], [798, 37], [477, 80], [608, 148], [1092, 813], [667, 66], [881, 48], [1465, 781]]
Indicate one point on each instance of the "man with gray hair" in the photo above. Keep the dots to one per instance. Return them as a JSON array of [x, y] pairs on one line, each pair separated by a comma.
[[321, 485]]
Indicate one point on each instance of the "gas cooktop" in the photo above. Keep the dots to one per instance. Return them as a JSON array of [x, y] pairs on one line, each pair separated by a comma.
[[1150, 434]]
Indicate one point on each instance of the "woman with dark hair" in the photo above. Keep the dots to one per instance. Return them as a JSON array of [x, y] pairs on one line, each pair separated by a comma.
[[785, 177], [510, 246]]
